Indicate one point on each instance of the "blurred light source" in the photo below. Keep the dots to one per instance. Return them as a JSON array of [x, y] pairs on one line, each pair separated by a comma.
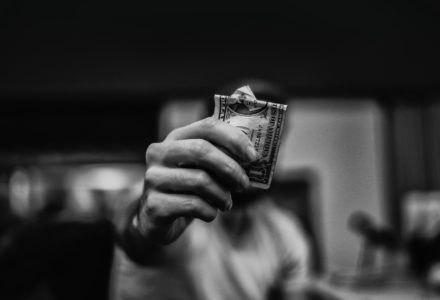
[[98, 190], [19, 193], [108, 179]]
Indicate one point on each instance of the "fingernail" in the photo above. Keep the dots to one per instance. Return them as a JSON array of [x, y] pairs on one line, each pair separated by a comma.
[[245, 182], [251, 153], [229, 204]]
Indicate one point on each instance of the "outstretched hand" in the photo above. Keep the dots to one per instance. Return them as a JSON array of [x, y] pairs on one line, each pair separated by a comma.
[[191, 175]]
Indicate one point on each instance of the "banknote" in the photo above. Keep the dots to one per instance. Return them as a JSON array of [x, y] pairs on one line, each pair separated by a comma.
[[262, 121]]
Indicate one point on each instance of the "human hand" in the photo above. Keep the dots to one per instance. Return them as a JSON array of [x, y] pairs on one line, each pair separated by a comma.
[[190, 175]]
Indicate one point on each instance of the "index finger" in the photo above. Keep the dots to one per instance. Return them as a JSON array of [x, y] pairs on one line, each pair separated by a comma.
[[223, 135]]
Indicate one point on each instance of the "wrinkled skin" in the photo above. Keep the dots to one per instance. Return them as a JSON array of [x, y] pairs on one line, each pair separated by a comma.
[[191, 175]]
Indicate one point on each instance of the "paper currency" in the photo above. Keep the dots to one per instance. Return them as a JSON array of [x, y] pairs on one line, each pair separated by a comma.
[[262, 121]]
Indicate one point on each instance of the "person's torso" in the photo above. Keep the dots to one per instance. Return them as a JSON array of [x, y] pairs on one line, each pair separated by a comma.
[[212, 265]]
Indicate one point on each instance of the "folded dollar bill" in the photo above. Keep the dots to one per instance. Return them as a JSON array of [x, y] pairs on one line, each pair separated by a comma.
[[262, 121]]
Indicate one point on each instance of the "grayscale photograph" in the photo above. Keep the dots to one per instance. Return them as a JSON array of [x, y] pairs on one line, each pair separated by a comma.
[[226, 150]]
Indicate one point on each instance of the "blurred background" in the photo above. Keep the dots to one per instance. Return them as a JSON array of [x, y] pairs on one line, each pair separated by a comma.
[[86, 86]]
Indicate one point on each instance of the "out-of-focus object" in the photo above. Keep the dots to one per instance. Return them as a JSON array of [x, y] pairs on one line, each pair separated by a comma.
[[422, 213], [262, 121], [381, 272], [19, 193], [374, 239], [389, 278], [73, 192], [433, 277], [100, 190], [421, 221], [380, 236]]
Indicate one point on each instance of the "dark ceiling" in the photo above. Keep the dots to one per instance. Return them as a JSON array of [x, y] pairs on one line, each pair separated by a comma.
[[143, 48]]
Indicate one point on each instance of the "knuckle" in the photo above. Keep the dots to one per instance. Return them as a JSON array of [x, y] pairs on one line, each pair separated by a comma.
[[190, 204], [150, 209], [151, 177], [198, 210], [152, 152], [234, 173], [201, 179], [154, 207], [200, 147], [150, 206], [231, 169]]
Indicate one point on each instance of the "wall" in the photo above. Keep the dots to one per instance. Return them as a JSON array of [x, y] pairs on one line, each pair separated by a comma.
[[342, 142]]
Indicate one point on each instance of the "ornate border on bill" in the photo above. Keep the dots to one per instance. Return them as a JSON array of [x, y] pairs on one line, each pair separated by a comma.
[[263, 122]]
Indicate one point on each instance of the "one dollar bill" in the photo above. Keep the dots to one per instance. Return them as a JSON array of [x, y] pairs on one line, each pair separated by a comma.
[[262, 121]]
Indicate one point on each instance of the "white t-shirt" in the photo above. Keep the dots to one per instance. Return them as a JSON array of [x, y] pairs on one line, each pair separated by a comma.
[[207, 263]]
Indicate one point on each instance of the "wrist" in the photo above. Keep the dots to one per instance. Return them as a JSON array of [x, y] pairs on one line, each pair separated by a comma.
[[135, 244]]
